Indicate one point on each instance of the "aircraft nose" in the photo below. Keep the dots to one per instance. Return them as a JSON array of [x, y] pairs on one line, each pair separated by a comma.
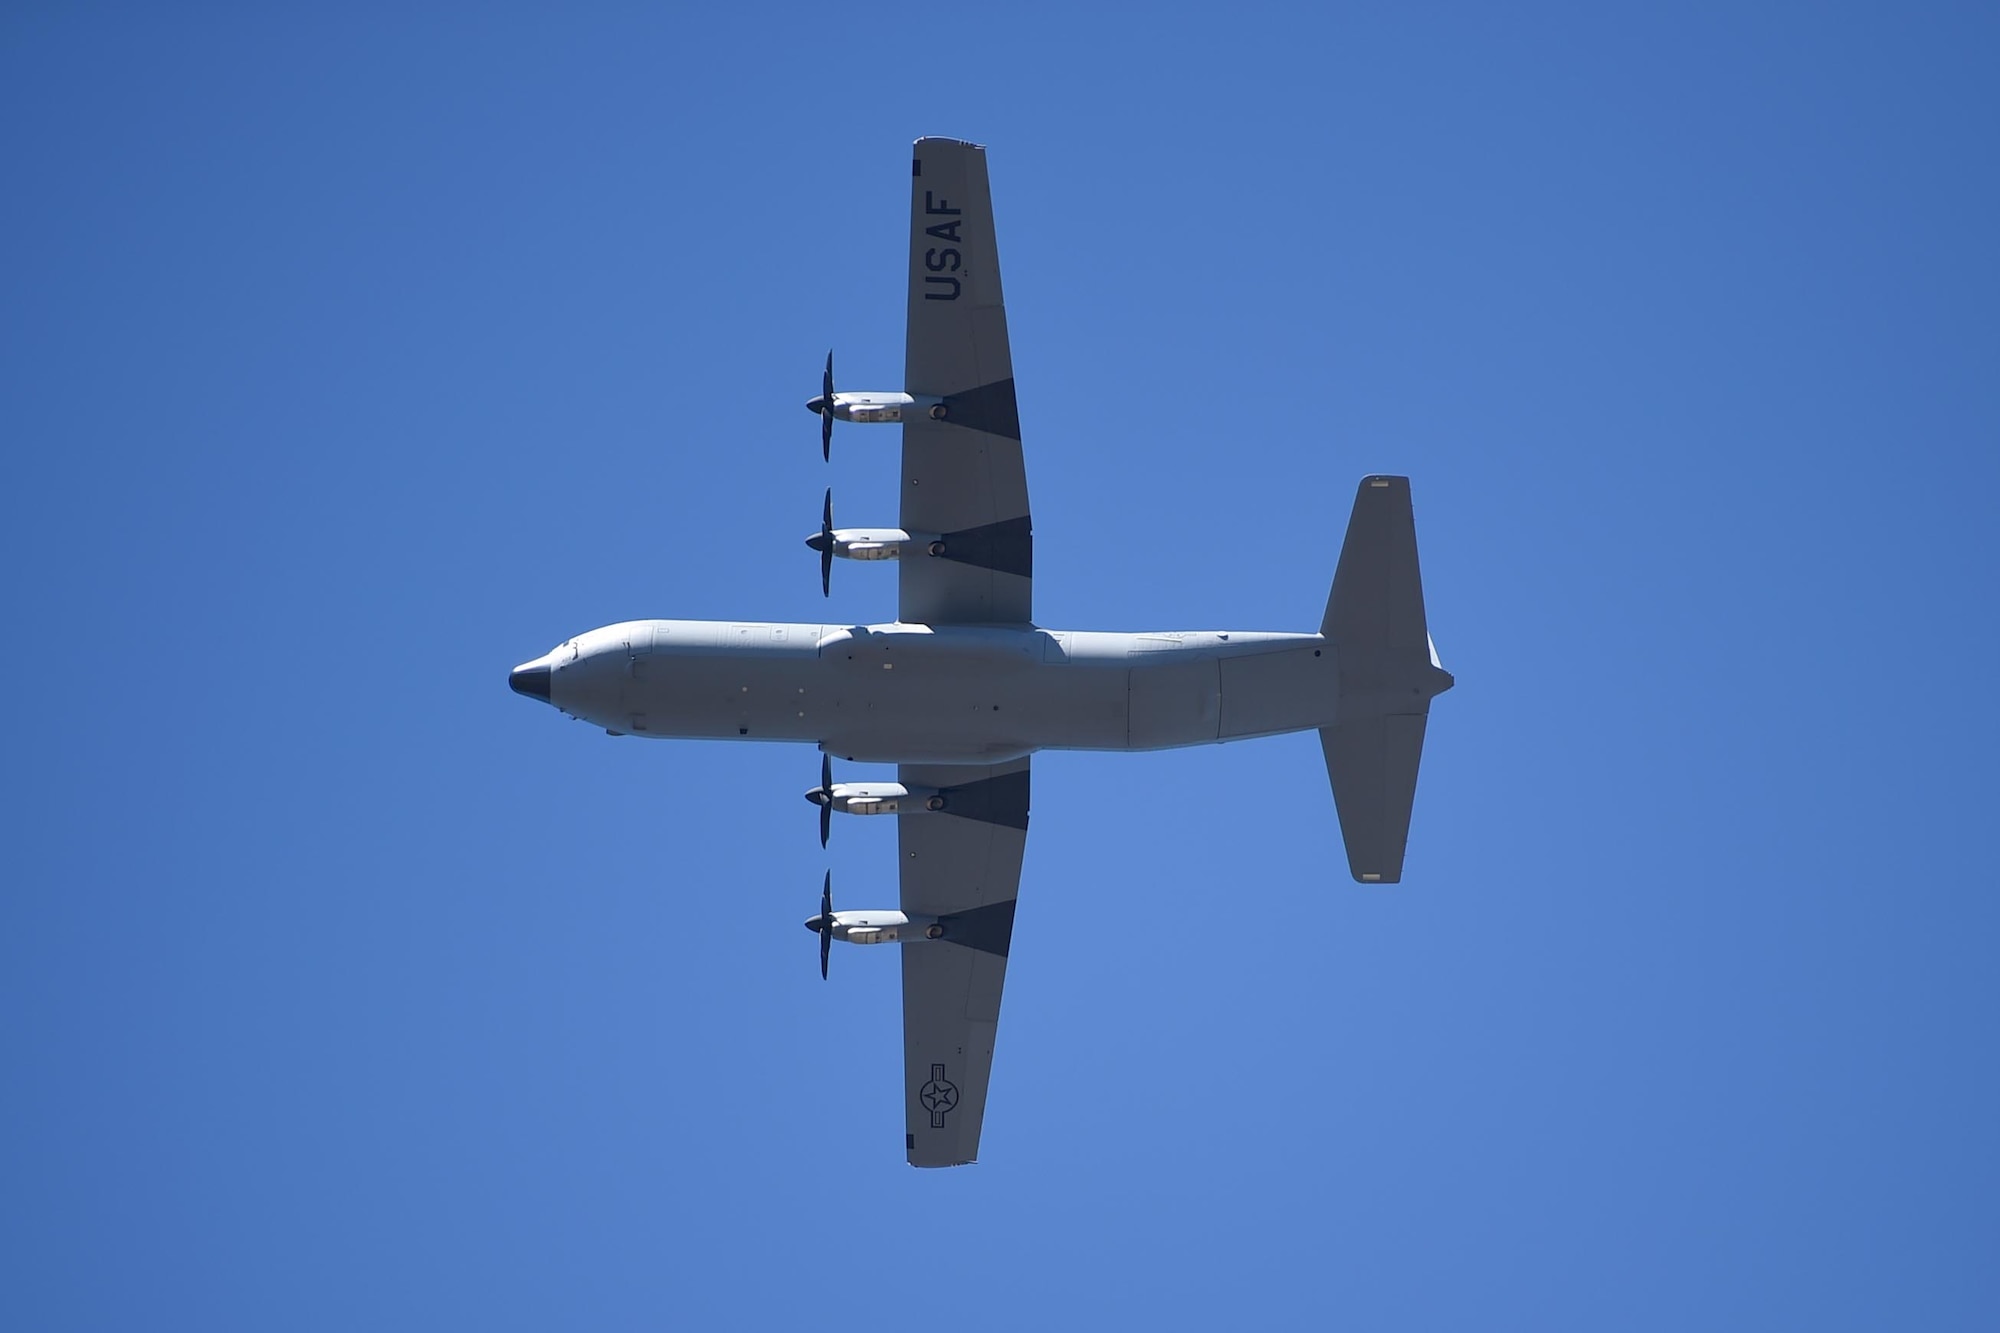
[[531, 680]]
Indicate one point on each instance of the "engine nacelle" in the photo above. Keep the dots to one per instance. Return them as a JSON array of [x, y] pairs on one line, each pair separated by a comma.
[[884, 407], [880, 927], [877, 543], [868, 798], [884, 798], [869, 543], [881, 407]]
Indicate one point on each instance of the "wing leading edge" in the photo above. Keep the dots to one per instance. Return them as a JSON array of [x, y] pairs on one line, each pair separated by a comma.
[[963, 476], [963, 866]]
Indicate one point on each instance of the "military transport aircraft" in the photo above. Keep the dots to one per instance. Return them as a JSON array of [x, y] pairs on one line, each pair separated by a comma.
[[962, 686]]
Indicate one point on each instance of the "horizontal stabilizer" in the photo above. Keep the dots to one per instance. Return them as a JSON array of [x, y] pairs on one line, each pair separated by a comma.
[[1373, 764], [1388, 675], [1378, 592]]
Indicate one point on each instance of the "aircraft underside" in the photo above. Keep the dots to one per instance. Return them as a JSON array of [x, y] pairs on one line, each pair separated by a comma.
[[961, 688], [910, 694]]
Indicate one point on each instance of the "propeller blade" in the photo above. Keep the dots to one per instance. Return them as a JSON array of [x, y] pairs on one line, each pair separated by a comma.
[[825, 921], [826, 546], [826, 803], [826, 411], [822, 796]]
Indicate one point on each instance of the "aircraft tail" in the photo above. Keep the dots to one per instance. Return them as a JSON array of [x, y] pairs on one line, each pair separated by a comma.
[[1389, 673]]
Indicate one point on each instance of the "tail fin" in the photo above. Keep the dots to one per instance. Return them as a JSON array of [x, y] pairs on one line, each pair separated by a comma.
[[1389, 674]]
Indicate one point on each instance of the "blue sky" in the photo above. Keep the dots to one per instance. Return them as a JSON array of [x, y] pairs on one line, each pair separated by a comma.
[[352, 357]]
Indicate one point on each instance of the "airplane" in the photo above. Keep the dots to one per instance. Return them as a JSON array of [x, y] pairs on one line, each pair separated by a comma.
[[962, 688]]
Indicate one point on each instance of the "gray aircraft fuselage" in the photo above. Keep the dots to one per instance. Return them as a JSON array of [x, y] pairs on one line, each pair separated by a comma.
[[915, 694]]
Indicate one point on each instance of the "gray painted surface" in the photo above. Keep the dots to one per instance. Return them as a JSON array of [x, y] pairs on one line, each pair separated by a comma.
[[900, 693], [963, 687], [1388, 677], [952, 867], [962, 474]]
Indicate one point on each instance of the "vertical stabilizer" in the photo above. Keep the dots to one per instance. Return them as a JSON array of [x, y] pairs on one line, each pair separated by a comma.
[[1388, 677]]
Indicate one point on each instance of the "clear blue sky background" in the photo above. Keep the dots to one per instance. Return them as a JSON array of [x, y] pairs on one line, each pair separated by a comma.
[[350, 358]]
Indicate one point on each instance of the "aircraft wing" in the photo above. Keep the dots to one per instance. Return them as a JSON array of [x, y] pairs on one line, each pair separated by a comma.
[[962, 476], [962, 865]]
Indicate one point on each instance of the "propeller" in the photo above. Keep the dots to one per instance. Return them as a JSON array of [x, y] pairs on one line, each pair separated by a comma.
[[825, 922], [822, 796], [826, 546], [822, 541], [826, 410]]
